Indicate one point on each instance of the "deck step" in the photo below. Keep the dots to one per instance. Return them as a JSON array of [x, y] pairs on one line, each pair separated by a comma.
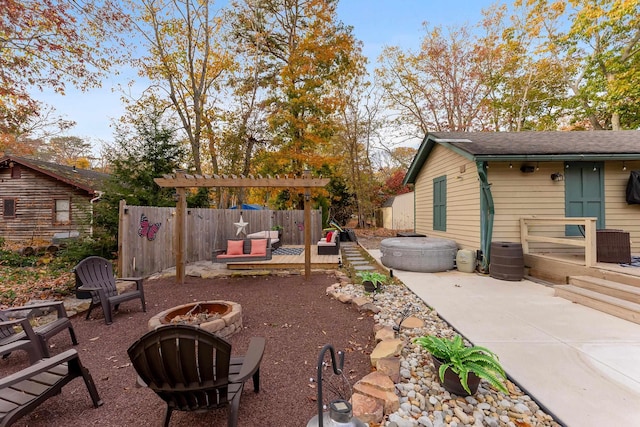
[[607, 287], [607, 304]]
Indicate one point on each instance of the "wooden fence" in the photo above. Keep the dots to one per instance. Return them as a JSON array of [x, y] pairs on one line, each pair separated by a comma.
[[146, 233]]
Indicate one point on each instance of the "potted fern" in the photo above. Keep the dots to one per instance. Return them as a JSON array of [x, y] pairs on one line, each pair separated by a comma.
[[372, 280], [460, 368]]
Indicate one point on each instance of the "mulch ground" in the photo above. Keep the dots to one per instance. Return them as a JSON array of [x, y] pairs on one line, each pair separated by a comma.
[[295, 316]]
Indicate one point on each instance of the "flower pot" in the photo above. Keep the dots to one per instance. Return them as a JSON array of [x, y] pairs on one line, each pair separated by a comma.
[[452, 380], [369, 286]]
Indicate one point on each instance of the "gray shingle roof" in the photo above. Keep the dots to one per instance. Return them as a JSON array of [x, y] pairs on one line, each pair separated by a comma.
[[541, 146], [518, 143], [85, 179]]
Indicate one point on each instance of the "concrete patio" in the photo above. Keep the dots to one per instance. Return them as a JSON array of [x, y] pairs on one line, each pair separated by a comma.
[[579, 363]]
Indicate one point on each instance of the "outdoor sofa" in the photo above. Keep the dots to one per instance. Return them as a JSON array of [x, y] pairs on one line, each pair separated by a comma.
[[330, 244], [243, 250]]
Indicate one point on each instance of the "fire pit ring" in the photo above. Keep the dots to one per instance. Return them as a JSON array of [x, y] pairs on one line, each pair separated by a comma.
[[226, 317]]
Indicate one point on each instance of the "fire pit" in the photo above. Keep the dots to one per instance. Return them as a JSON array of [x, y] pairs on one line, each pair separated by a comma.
[[223, 318]]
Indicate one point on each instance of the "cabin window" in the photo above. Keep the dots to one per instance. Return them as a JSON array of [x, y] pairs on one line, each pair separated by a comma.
[[440, 203], [62, 214], [9, 208], [16, 172]]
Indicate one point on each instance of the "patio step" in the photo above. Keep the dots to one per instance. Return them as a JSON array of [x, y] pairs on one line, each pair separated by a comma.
[[607, 304], [607, 287]]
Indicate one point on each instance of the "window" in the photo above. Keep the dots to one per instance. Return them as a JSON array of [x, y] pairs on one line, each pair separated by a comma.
[[440, 203], [9, 208], [62, 214]]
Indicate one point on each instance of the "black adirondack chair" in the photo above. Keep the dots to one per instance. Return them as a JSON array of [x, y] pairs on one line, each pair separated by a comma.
[[42, 332], [27, 341], [21, 392], [192, 369], [96, 276]]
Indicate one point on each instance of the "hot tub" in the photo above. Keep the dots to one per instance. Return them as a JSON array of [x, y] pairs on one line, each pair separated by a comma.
[[421, 254]]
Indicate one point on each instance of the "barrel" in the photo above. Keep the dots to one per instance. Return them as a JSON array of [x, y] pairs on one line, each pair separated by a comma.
[[507, 261]]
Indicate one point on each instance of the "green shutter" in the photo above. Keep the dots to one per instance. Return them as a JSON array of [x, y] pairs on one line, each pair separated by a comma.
[[440, 203]]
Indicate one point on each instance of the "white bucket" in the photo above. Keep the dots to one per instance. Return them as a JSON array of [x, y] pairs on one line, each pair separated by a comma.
[[466, 260]]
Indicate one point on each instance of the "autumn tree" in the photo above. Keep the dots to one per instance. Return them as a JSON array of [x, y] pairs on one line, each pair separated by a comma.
[[306, 52], [185, 63], [49, 44], [603, 40], [440, 87], [68, 150]]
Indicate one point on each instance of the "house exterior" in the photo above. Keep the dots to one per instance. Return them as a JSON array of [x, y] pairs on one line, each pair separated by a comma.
[[397, 212], [40, 199], [474, 187]]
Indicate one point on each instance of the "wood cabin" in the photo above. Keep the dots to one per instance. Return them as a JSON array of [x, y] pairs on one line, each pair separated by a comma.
[[41, 199], [478, 188]]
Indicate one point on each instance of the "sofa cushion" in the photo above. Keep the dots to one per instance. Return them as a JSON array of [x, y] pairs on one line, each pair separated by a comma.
[[328, 236], [258, 246], [234, 247]]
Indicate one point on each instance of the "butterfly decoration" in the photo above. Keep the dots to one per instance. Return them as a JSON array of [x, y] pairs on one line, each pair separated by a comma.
[[300, 225], [148, 229]]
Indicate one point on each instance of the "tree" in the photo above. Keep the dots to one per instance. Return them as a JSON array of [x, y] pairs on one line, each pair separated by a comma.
[[603, 39], [306, 53], [527, 84], [185, 61], [68, 150], [146, 150], [440, 87], [47, 44]]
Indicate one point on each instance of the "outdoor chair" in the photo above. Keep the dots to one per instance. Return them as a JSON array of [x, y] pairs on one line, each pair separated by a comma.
[[95, 274], [42, 332], [23, 391], [192, 369], [26, 340]]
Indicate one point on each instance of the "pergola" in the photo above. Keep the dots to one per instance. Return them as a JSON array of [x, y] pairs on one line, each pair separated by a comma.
[[182, 181]]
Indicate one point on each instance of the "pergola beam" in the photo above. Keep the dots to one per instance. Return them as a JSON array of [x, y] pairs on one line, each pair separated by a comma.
[[191, 181], [180, 181]]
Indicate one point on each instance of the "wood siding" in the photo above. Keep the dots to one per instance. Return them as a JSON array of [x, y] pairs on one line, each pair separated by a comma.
[[35, 194], [206, 230], [463, 198]]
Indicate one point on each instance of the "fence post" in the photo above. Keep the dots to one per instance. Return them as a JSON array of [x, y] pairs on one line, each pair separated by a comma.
[[122, 243]]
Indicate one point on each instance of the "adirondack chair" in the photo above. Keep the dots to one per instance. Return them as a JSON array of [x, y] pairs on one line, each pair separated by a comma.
[[96, 276], [21, 392], [11, 341], [192, 369], [42, 332]]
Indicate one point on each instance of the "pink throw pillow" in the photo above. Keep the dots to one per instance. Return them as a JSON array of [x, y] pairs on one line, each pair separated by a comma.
[[258, 246], [234, 247], [328, 237]]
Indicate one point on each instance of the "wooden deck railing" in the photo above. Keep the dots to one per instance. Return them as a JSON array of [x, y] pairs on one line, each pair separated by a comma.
[[588, 242]]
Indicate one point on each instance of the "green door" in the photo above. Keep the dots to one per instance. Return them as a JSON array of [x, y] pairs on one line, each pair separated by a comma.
[[584, 193]]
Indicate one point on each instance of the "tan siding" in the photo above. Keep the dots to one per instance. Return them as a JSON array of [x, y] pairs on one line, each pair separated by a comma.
[[463, 198], [35, 194], [619, 214], [517, 194]]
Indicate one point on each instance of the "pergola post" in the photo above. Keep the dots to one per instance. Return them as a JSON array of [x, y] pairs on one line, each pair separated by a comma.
[[181, 215], [307, 228]]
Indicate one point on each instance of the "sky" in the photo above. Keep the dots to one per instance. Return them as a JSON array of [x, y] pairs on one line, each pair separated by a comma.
[[377, 23]]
